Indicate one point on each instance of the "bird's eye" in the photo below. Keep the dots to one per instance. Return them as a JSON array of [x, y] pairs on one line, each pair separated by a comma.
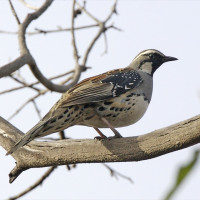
[[152, 56]]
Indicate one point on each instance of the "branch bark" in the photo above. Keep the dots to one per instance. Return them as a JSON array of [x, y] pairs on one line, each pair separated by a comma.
[[151, 145], [16, 64]]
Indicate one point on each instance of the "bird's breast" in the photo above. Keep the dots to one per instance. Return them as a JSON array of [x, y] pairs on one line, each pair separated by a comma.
[[120, 111]]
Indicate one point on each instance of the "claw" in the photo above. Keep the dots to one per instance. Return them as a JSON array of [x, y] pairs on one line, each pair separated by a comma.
[[98, 138]]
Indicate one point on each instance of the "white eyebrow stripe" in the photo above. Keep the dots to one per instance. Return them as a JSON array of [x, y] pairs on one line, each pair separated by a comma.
[[149, 51]]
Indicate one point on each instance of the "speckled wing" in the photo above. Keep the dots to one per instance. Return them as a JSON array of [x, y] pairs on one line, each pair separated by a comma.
[[101, 87]]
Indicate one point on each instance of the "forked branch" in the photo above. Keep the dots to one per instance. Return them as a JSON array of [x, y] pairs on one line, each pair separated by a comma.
[[27, 58]]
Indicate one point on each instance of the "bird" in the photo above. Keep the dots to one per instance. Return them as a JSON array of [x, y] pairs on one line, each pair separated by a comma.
[[114, 99]]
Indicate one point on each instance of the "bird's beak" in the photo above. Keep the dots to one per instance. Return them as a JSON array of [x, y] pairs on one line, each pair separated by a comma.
[[169, 58]]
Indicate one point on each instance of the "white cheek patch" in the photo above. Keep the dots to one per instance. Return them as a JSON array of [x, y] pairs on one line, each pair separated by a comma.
[[147, 67]]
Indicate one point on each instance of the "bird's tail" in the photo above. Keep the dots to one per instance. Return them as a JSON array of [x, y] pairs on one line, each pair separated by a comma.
[[29, 136]]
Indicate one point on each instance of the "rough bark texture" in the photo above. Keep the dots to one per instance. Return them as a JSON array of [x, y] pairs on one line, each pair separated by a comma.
[[43, 154]]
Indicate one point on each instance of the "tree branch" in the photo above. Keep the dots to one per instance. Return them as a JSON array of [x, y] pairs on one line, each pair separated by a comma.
[[24, 49], [30, 85], [102, 29], [14, 12], [16, 64], [23, 26], [75, 50], [27, 58], [116, 174], [28, 5], [24, 83], [70, 151], [36, 184], [56, 30]]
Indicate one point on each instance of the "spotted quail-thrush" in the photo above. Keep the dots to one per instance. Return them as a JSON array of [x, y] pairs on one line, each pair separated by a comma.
[[114, 99]]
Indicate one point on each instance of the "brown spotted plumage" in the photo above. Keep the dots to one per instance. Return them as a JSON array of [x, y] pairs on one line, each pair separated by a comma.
[[114, 99]]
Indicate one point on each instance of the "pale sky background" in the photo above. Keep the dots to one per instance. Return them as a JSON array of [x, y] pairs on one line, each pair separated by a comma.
[[169, 26]]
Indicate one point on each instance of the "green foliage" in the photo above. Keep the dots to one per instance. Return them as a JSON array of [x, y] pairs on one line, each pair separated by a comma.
[[183, 172]]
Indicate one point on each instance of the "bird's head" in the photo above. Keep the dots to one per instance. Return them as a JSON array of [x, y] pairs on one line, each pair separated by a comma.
[[150, 60]]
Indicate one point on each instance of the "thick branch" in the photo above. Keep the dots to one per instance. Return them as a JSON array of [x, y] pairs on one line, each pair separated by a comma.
[[151, 145], [29, 18], [16, 64]]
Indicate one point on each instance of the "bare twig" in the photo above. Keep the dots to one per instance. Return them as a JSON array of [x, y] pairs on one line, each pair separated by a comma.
[[36, 184], [28, 5], [115, 174], [12, 89], [106, 44], [8, 32], [102, 29], [67, 80], [59, 76], [24, 49], [14, 12], [24, 83], [41, 92], [33, 66], [78, 67], [113, 11], [35, 83], [28, 58], [58, 30], [75, 51], [88, 13], [37, 109], [114, 27], [43, 31], [26, 103]]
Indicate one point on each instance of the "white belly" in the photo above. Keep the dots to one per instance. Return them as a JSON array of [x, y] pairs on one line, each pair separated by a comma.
[[120, 113], [131, 116]]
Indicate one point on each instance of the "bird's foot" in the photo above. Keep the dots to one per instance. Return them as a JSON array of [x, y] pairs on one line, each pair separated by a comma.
[[98, 138], [101, 137], [117, 134], [114, 137]]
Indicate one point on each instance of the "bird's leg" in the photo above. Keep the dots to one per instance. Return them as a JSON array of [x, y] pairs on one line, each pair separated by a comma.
[[117, 134], [102, 136]]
